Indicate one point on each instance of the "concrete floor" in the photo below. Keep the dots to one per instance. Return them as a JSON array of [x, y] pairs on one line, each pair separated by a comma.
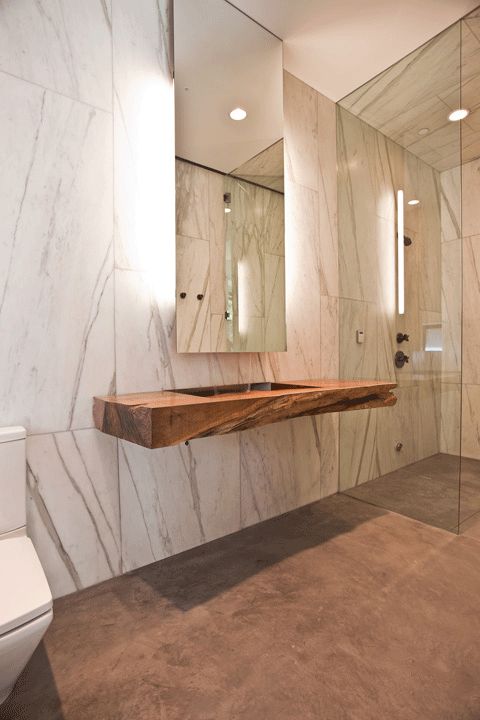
[[336, 611], [435, 491]]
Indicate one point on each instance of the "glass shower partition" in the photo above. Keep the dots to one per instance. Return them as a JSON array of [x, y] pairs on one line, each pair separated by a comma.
[[468, 389], [400, 256]]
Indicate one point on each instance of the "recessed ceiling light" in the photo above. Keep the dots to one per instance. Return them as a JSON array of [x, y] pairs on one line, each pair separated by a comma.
[[238, 114], [424, 131], [459, 114], [414, 202]]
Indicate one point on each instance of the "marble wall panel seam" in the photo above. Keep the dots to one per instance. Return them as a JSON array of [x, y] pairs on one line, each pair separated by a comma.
[[56, 92], [42, 509]]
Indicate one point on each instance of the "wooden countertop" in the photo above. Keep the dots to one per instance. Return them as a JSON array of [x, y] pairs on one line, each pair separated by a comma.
[[169, 417]]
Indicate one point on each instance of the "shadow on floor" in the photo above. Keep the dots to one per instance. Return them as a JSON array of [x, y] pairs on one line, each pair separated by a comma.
[[198, 575], [45, 702]]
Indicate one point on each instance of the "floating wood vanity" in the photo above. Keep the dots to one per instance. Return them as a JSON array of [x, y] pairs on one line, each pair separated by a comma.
[[170, 417]]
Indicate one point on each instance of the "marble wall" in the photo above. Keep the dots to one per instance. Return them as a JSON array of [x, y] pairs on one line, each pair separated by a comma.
[[470, 388], [235, 261], [452, 261], [87, 295], [371, 170]]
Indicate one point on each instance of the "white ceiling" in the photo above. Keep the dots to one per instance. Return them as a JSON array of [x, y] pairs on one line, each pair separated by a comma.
[[337, 45]]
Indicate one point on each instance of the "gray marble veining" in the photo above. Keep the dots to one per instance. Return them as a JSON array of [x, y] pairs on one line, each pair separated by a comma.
[[86, 316], [56, 282]]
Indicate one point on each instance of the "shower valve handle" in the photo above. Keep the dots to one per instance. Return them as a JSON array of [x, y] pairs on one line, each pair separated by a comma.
[[401, 359], [402, 337]]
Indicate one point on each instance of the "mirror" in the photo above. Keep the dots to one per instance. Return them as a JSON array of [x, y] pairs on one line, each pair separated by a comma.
[[230, 290]]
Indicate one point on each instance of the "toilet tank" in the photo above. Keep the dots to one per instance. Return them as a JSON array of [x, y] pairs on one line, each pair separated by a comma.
[[12, 479]]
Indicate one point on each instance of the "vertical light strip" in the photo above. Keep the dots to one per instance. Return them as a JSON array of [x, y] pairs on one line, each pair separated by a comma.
[[400, 254], [242, 290]]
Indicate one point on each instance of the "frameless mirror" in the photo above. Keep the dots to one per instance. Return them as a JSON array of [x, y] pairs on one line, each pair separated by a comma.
[[229, 181]]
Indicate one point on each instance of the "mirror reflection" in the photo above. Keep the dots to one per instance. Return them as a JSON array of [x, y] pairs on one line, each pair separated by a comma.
[[229, 181]]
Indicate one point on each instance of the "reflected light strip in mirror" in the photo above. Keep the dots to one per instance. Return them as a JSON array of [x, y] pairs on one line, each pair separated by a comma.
[[400, 254], [242, 289]]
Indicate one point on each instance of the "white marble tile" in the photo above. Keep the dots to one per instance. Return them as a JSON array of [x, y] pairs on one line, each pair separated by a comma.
[[452, 308], [471, 421], [398, 424], [327, 196], [409, 96], [192, 200], [280, 468], [301, 132], [73, 507], [244, 238], [176, 498], [253, 335], [144, 140], [450, 418], [328, 431], [470, 194], [358, 361], [451, 208], [219, 333], [357, 453], [216, 239], [146, 343], [275, 327], [429, 239], [62, 45], [329, 337], [356, 208], [471, 302], [427, 415], [302, 359], [193, 279], [56, 258]]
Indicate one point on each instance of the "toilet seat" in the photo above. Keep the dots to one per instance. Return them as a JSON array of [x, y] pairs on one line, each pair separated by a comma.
[[25, 593]]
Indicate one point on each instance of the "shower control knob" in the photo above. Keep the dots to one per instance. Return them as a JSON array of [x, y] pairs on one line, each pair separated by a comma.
[[401, 359], [402, 337]]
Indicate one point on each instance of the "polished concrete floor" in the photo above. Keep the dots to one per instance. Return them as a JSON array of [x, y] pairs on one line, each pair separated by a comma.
[[439, 491], [336, 611]]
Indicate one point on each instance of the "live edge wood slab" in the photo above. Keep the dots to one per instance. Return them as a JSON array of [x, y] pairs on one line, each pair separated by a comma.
[[170, 417]]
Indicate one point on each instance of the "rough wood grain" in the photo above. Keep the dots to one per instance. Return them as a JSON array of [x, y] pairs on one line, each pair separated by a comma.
[[160, 419]]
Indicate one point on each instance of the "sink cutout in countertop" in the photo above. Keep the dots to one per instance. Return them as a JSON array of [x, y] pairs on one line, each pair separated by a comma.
[[244, 388]]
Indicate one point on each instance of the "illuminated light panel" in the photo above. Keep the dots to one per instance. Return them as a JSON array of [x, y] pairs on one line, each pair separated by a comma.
[[400, 254]]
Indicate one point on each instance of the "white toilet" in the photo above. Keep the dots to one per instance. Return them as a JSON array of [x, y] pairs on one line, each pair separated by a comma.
[[25, 598]]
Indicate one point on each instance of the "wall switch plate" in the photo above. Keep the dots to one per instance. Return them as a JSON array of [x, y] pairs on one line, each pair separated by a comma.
[[360, 337]]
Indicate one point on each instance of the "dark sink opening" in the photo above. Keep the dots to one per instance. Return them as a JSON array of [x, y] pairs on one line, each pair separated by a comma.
[[244, 388]]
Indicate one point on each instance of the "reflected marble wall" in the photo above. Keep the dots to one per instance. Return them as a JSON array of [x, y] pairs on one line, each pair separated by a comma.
[[87, 295], [235, 260], [461, 254], [371, 170], [471, 303]]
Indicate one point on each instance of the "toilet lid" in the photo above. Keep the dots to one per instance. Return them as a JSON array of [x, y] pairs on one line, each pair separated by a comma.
[[24, 591]]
